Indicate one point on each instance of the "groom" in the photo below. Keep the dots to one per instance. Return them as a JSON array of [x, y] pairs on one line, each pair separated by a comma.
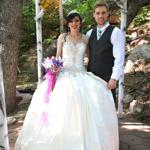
[[106, 48]]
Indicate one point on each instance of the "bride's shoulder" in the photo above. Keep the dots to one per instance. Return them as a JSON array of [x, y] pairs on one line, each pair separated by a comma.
[[62, 37], [85, 38]]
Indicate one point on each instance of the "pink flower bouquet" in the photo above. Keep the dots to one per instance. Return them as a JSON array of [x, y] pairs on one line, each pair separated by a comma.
[[52, 66]]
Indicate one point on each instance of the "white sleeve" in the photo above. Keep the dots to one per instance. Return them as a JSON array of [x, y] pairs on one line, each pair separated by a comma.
[[88, 34], [118, 42]]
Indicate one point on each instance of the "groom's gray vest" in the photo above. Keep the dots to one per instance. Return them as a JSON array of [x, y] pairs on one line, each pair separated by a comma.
[[101, 60]]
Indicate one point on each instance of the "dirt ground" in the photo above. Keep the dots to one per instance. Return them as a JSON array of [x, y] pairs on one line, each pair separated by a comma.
[[134, 135], [134, 85]]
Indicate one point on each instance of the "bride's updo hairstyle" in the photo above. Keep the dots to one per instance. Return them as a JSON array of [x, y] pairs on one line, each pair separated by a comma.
[[69, 18]]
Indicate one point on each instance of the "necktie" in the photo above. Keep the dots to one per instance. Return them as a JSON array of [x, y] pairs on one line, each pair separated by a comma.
[[99, 33]]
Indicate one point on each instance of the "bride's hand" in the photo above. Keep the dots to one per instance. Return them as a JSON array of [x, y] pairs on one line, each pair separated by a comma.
[[112, 84], [86, 61]]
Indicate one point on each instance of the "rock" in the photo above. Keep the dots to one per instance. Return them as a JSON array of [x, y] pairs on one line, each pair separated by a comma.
[[132, 106], [140, 30], [140, 92], [141, 52], [146, 89], [134, 35], [21, 115], [147, 113], [26, 97], [139, 98], [128, 98], [139, 108], [141, 42], [11, 120], [135, 107], [139, 59], [129, 67]]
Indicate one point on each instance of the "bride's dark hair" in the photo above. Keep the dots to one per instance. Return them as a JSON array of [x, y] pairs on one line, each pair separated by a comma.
[[69, 19]]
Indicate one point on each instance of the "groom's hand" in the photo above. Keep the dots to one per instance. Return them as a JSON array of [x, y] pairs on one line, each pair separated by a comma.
[[112, 84]]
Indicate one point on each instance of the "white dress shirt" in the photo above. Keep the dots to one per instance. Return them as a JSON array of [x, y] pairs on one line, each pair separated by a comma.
[[118, 42]]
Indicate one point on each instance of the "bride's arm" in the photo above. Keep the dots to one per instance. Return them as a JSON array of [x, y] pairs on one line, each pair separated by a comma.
[[86, 55], [59, 45]]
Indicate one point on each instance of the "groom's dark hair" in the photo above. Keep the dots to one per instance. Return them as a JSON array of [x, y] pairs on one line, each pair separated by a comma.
[[100, 4]]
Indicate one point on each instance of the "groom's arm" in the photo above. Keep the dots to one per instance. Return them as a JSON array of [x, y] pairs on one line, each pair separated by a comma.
[[117, 40]]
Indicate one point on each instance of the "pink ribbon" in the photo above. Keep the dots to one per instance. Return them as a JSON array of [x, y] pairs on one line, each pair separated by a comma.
[[51, 79]]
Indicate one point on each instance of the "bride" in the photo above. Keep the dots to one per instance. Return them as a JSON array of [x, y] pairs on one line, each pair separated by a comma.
[[81, 112]]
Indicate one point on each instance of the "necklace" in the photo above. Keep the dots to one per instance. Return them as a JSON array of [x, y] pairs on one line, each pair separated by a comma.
[[74, 39], [76, 36]]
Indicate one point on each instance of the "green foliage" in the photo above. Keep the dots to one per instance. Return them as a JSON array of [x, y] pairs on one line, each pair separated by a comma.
[[50, 25], [28, 33], [85, 8], [48, 41], [50, 21], [142, 16]]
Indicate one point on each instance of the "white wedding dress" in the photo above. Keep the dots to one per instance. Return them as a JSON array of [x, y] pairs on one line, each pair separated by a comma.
[[81, 111]]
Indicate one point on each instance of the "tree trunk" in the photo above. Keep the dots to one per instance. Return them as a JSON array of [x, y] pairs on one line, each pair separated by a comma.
[[10, 31], [39, 41], [121, 80], [61, 18]]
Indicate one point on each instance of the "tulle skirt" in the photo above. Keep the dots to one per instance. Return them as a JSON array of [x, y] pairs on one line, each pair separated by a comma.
[[80, 115]]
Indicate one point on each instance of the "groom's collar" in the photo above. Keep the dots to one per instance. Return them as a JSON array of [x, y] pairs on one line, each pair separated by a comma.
[[104, 27]]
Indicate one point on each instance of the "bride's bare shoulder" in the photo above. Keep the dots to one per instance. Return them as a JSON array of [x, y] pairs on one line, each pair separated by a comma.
[[62, 37]]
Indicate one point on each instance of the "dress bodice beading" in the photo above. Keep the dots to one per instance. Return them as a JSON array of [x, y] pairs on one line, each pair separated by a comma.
[[73, 55]]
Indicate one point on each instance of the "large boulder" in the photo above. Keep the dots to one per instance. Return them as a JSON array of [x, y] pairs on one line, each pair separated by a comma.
[[139, 59]]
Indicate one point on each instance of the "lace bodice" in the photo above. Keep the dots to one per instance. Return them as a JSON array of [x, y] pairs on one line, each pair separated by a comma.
[[73, 55]]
